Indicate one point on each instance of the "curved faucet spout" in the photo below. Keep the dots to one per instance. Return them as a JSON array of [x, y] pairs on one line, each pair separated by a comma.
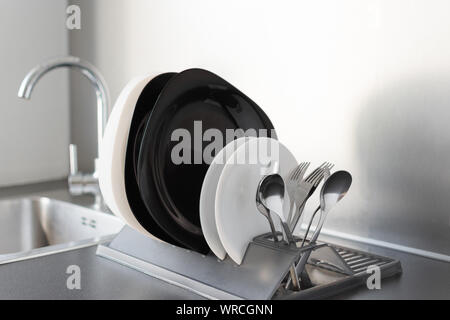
[[88, 70]]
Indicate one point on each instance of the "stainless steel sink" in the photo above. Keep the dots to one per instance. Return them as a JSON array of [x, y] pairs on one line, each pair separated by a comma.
[[37, 226]]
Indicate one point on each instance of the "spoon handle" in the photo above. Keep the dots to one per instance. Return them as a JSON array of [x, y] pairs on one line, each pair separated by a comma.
[[309, 226], [304, 258], [323, 215], [288, 233], [272, 228]]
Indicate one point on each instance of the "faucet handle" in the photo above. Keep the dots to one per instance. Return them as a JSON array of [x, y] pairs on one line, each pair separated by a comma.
[[75, 180], [73, 159], [80, 183]]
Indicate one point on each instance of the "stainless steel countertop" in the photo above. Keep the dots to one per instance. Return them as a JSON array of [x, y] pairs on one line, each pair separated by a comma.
[[45, 277]]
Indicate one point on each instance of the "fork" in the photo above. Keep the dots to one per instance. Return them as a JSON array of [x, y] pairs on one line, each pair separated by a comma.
[[326, 175], [306, 188], [294, 177]]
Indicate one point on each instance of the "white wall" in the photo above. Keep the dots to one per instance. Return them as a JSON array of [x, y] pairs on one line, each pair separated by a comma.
[[364, 84], [33, 134]]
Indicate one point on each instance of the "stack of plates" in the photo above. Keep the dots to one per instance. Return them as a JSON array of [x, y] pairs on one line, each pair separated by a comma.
[[228, 212], [155, 171]]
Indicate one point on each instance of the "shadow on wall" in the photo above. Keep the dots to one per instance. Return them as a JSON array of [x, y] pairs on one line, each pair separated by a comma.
[[403, 150]]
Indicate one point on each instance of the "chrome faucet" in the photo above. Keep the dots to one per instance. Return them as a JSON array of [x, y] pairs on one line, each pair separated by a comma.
[[79, 183]]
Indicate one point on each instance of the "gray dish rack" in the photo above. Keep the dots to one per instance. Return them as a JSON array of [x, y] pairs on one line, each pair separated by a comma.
[[330, 270]]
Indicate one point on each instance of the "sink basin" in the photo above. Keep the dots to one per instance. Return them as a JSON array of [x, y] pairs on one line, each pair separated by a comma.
[[36, 226]]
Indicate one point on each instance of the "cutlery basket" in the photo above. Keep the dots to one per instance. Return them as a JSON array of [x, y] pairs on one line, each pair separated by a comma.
[[330, 269]]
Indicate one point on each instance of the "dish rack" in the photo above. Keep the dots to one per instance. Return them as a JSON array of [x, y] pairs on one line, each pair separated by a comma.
[[331, 269]]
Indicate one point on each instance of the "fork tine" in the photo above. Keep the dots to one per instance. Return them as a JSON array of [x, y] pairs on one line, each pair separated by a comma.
[[302, 169], [316, 172], [297, 171], [313, 174], [305, 167], [293, 173], [318, 178], [328, 166]]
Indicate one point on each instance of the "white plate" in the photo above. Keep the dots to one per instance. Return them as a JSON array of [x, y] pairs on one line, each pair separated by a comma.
[[208, 197], [113, 152], [237, 218]]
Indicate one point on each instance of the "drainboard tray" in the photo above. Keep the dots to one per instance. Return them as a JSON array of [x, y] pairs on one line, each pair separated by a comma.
[[331, 269]]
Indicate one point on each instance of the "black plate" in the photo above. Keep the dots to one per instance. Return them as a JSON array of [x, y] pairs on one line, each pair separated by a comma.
[[144, 106], [171, 192]]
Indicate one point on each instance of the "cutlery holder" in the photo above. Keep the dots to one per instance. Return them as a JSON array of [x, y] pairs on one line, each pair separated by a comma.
[[331, 269]]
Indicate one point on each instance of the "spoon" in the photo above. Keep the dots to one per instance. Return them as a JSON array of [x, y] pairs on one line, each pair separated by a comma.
[[265, 211], [271, 193], [333, 190]]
